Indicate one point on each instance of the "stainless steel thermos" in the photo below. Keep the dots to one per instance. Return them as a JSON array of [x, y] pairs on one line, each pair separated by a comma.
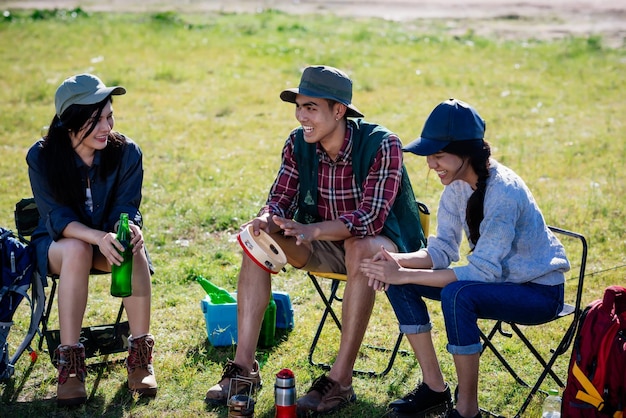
[[285, 394]]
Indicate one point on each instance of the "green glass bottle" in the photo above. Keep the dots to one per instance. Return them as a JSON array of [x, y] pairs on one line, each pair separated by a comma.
[[122, 275], [217, 295], [268, 326]]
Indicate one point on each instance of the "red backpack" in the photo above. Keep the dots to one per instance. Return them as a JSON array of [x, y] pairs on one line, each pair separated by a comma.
[[596, 381]]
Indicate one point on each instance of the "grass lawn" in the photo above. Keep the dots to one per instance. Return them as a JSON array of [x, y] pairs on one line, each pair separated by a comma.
[[203, 104]]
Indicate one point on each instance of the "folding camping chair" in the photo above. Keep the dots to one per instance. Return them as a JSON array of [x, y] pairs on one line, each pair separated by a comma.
[[333, 296], [571, 312], [100, 340]]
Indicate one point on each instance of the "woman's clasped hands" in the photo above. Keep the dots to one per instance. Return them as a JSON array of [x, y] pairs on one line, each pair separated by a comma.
[[382, 270]]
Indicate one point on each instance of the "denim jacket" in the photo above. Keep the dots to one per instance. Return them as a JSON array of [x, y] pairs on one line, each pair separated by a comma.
[[119, 192]]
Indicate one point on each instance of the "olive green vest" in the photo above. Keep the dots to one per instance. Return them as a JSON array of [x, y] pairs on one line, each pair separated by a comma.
[[402, 226]]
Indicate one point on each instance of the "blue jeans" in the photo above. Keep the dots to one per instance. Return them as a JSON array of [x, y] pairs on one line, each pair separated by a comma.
[[463, 302]]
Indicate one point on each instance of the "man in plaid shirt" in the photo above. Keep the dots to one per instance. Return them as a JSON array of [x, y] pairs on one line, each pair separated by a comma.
[[331, 206]]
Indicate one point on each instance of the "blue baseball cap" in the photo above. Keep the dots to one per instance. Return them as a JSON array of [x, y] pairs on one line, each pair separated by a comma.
[[452, 120], [324, 82]]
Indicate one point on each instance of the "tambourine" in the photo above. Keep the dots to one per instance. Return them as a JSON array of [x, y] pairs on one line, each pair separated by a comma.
[[262, 249]]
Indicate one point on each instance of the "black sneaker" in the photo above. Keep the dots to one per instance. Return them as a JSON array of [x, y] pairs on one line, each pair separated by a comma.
[[422, 401]]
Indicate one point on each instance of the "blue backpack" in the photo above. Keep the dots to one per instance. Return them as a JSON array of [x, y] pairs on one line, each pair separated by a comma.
[[17, 266]]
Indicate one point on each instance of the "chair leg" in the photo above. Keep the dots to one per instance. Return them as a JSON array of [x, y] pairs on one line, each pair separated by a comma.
[[562, 347], [46, 317], [487, 343], [328, 310], [392, 358], [50, 336], [546, 366]]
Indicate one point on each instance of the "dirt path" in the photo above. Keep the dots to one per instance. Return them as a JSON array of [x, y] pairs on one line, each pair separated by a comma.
[[521, 19]]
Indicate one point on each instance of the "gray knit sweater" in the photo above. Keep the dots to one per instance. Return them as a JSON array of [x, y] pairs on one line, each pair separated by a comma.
[[515, 243]]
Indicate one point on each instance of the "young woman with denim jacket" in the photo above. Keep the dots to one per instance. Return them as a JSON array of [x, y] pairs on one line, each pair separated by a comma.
[[83, 175]]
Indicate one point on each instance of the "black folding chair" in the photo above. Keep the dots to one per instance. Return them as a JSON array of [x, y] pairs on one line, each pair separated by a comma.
[[99, 340], [333, 296], [571, 312]]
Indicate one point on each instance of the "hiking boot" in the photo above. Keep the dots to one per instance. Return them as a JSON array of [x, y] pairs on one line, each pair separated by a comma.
[[72, 372], [422, 401], [455, 414], [248, 381], [325, 396], [141, 378]]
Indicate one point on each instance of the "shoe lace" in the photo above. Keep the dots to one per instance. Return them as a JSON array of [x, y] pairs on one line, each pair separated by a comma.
[[232, 370], [322, 385], [71, 362], [140, 355]]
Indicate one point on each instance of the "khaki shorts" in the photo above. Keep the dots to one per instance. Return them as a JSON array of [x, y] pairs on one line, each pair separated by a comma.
[[326, 257]]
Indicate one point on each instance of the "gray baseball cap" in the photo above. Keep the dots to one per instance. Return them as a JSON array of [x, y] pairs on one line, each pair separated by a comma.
[[452, 120], [324, 82], [82, 89]]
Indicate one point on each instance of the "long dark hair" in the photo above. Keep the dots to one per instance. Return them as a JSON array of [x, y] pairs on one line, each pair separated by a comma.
[[66, 181], [478, 151]]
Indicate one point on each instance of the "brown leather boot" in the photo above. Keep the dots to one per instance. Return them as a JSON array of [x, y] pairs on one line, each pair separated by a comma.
[[141, 378], [72, 373]]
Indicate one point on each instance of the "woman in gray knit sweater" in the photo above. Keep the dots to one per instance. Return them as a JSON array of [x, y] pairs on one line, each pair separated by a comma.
[[514, 272]]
